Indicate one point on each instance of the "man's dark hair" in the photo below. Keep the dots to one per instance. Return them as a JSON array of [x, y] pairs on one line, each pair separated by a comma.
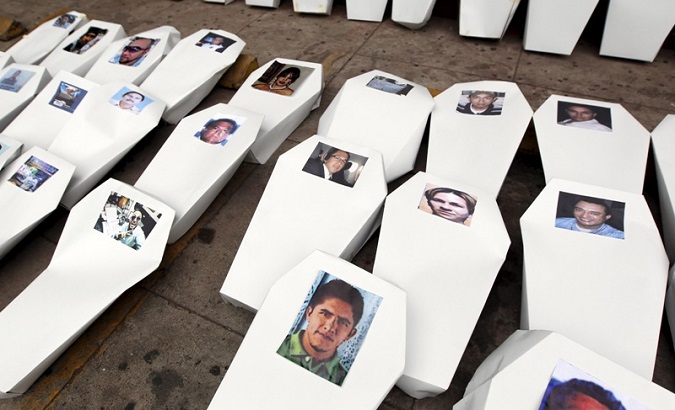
[[134, 92], [470, 201], [597, 201], [212, 123], [332, 150], [559, 395], [342, 290], [476, 92], [293, 70], [593, 109]]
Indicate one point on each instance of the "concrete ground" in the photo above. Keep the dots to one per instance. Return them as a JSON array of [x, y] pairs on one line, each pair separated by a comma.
[[168, 341]]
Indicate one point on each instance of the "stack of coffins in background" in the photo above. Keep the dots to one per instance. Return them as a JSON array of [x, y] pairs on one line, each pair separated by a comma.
[[313, 6], [413, 14], [555, 27], [486, 18], [263, 3], [19, 83], [372, 10]]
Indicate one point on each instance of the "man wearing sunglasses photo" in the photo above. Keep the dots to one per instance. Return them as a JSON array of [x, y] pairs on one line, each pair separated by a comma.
[[134, 53], [131, 233]]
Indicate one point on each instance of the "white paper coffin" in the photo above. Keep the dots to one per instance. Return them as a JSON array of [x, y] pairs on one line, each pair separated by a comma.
[[5, 59], [486, 18], [88, 272], [444, 283], [219, 1], [515, 375], [300, 212], [389, 121], [80, 61], [477, 149], [283, 113], [603, 292], [313, 6], [663, 144], [588, 152], [413, 14], [372, 10], [27, 199], [636, 30], [188, 173], [192, 70], [263, 3], [670, 301], [555, 26], [35, 46], [9, 150], [107, 69], [54, 106], [257, 367], [19, 83], [100, 133]]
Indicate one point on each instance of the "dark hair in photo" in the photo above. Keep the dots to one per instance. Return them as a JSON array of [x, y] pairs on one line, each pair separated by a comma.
[[134, 92], [290, 70], [598, 201], [342, 290], [559, 395], [470, 201], [214, 121], [332, 150]]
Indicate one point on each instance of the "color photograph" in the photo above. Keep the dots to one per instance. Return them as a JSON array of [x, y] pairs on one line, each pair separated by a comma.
[[134, 51], [389, 85], [129, 100], [86, 41], [32, 174], [335, 164], [215, 42], [126, 221], [67, 97], [219, 129], [598, 216], [282, 79], [15, 79], [585, 116], [479, 102], [448, 203]]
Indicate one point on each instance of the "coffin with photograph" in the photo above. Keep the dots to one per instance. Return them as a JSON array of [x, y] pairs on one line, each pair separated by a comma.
[[637, 30], [467, 119], [537, 368], [486, 18], [80, 50], [105, 126], [9, 150], [313, 6], [595, 271], [412, 14], [263, 3], [198, 159], [113, 238], [5, 59], [193, 68], [35, 46], [324, 194], [285, 92], [19, 83], [132, 59], [615, 145], [384, 112], [420, 219], [663, 146], [372, 10], [31, 187], [555, 26], [670, 301], [285, 356], [54, 106]]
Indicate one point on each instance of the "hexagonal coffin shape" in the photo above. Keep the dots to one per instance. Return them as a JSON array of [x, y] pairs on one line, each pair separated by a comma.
[[413, 14], [372, 10], [555, 27], [486, 18]]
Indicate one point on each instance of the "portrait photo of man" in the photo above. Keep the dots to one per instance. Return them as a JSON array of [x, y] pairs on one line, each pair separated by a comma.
[[589, 117], [282, 79], [130, 101], [588, 214], [478, 102], [126, 221], [337, 315], [448, 203], [215, 42], [335, 164], [86, 40], [64, 20], [134, 52], [218, 130]]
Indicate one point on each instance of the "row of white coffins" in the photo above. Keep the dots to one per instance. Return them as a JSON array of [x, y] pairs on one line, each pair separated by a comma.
[[631, 30]]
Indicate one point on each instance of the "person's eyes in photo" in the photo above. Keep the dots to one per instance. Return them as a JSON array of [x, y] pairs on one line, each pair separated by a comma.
[[481, 102], [218, 130], [450, 204], [215, 42], [335, 165], [130, 100], [282, 79]]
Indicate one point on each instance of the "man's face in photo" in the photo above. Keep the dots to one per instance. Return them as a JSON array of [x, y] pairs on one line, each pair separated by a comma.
[[589, 215], [217, 132], [135, 219], [329, 324], [135, 50], [481, 101], [130, 100], [580, 401], [579, 114], [87, 38], [336, 162]]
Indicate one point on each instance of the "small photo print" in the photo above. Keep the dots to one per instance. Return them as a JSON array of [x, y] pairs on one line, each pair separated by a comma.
[[67, 97], [335, 164], [15, 79], [448, 203], [215, 42], [283, 79], [330, 328], [134, 51], [589, 117], [65, 20], [572, 388], [129, 100], [126, 221], [219, 129], [588, 214], [86, 40], [481, 102], [32, 174], [389, 85], [3, 147]]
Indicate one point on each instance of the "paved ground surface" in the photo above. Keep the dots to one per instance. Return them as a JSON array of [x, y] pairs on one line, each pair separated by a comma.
[[168, 341]]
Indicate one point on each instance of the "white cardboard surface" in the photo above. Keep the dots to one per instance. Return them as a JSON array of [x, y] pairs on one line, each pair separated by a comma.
[[257, 367], [300, 212], [263, 3], [283, 114], [104, 71], [477, 149], [615, 159], [21, 209], [99, 134], [604, 293], [486, 18], [79, 64], [372, 117], [35, 46], [313, 6], [9, 150], [372, 10], [515, 375], [555, 26], [448, 285], [70, 294], [205, 67], [637, 30], [413, 14], [12, 102], [5, 59], [52, 119], [663, 145], [187, 173]]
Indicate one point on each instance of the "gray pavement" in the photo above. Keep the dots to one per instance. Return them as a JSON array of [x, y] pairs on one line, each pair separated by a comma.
[[168, 341]]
